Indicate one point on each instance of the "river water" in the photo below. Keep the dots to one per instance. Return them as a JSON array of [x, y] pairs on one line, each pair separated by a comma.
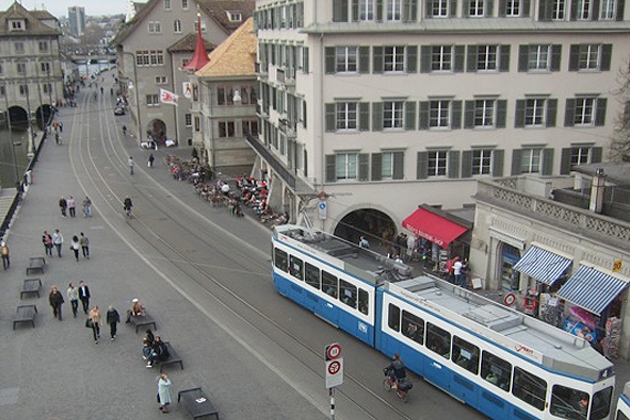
[[18, 154]]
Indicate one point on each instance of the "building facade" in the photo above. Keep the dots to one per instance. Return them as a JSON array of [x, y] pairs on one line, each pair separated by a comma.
[[380, 105], [31, 79], [149, 59], [559, 236], [76, 20]]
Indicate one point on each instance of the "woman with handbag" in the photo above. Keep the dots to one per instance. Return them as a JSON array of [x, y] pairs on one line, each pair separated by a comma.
[[164, 393], [94, 321]]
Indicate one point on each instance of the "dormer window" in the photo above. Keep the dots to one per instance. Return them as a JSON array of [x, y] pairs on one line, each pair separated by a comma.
[[235, 16], [17, 25]]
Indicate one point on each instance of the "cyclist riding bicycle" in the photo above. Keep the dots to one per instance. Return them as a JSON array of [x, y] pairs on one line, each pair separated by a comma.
[[127, 205], [397, 368]]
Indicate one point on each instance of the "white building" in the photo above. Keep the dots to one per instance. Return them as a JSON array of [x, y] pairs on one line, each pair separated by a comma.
[[386, 104]]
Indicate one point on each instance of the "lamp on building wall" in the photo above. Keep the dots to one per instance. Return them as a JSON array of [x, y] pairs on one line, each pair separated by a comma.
[[237, 97]]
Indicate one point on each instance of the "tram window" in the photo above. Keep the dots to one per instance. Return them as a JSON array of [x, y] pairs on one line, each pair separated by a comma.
[[329, 284], [348, 293], [296, 268], [601, 404], [393, 317], [364, 302], [529, 388], [569, 403], [281, 259], [465, 355], [413, 327], [496, 371], [311, 274], [438, 340], [621, 416]]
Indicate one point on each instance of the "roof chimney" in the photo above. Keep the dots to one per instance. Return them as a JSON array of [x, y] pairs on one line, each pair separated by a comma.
[[596, 203]]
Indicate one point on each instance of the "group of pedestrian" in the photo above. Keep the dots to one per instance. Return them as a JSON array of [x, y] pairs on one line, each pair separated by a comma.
[[56, 240], [155, 350], [69, 206], [58, 129]]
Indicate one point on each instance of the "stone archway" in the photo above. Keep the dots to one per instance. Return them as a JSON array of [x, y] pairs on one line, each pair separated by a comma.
[[18, 116], [43, 115], [157, 130], [375, 225]]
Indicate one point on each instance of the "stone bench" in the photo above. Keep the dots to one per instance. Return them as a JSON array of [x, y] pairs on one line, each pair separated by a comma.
[[36, 264], [31, 286], [197, 403], [25, 313]]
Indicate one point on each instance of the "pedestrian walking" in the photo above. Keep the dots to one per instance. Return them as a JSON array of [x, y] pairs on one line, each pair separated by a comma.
[[112, 319], [85, 245], [94, 321], [64, 206], [4, 251], [73, 296], [47, 241], [164, 393], [131, 164], [56, 300], [74, 245], [87, 207], [72, 206], [124, 129], [84, 296], [57, 240], [60, 127], [150, 162]]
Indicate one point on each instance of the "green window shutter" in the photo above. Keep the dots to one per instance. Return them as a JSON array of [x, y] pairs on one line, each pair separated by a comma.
[[453, 164], [620, 7], [600, 112], [422, 167], [565, 161], [453, 11], [460, 54], [355, 10], [467, 157], [489, 6], [410, 10], [556, 55], [497, 162], [330, 117], [504, 58], [399, 165], [425, 59], [423, 123], [379, 10], [519, 118], [330, 60], [412, 58], [502, 8], [377, 59], [456, 117], [331, 168], [410, 115], [466, 8], [596, 154], [364, 166], [377, 116], [569, 113], [516, 162], [547, 164], [471, 59], [595, 10], [469, 114], [526, 7], [428, 7], [604, 64], [364, 59], [573, 12], [377, 166], [364, 116], [574, 57], [552, 110], [523, 57], [544, 10], [501, 113], [338, 10]]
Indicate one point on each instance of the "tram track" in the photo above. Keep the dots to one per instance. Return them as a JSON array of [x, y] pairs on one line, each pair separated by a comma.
[[196, 271]]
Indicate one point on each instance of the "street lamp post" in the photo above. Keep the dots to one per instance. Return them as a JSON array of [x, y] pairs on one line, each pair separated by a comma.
[[15, 165]]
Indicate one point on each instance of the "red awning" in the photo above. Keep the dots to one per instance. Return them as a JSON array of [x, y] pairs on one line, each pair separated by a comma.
[[432, 227]]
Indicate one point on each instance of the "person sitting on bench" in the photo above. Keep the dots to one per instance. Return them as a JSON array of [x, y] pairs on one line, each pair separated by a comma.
[[160, 352], [136, 310]]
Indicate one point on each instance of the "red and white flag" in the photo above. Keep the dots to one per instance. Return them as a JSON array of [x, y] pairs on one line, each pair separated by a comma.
[[167, 97]]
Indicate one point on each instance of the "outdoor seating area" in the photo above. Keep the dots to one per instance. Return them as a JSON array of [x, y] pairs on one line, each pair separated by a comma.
[[197, 403], [139, 321], [173, 359]]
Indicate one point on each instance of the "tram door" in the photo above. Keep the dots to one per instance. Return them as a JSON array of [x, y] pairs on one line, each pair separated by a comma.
[[437, 373]]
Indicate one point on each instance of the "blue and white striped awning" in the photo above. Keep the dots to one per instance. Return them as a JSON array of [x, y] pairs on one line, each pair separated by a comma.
[[591, 289], [542, 265]]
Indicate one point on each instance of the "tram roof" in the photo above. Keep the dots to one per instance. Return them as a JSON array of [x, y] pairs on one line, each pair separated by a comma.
[[363, 263], [528, 337]]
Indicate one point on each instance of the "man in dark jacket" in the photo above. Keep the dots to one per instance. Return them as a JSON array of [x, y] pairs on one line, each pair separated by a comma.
[[56, 300], [160, 352], [84, 296], [113, 318]]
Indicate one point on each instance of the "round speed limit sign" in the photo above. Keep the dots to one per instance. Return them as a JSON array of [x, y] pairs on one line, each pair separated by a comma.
[[333, 351]]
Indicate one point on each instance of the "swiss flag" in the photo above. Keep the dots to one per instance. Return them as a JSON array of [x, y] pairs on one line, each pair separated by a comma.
[[167, 97]]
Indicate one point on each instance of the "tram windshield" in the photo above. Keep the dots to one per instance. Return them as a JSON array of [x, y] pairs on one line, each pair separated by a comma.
[[569, 403], [601, 404]]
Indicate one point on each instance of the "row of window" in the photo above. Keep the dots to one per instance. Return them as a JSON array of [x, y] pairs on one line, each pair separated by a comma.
[[290, 57], [23, 89], [168, 4], [150, 58], [19, 47], [459, 58], [566, 403], [287, 104], [155, 27], [21, 68], [347, 293], [446, 113], [446, 163], [225, 95], [227, 129], [407, 10], [280, 16]]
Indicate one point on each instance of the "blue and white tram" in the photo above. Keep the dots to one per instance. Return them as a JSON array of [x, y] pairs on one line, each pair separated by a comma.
[[623, 404], [502, 363]]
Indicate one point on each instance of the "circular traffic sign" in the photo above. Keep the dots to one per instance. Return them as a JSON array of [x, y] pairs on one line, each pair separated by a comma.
[[334, 367], [334, 351], [509, 299], [322, 195]]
